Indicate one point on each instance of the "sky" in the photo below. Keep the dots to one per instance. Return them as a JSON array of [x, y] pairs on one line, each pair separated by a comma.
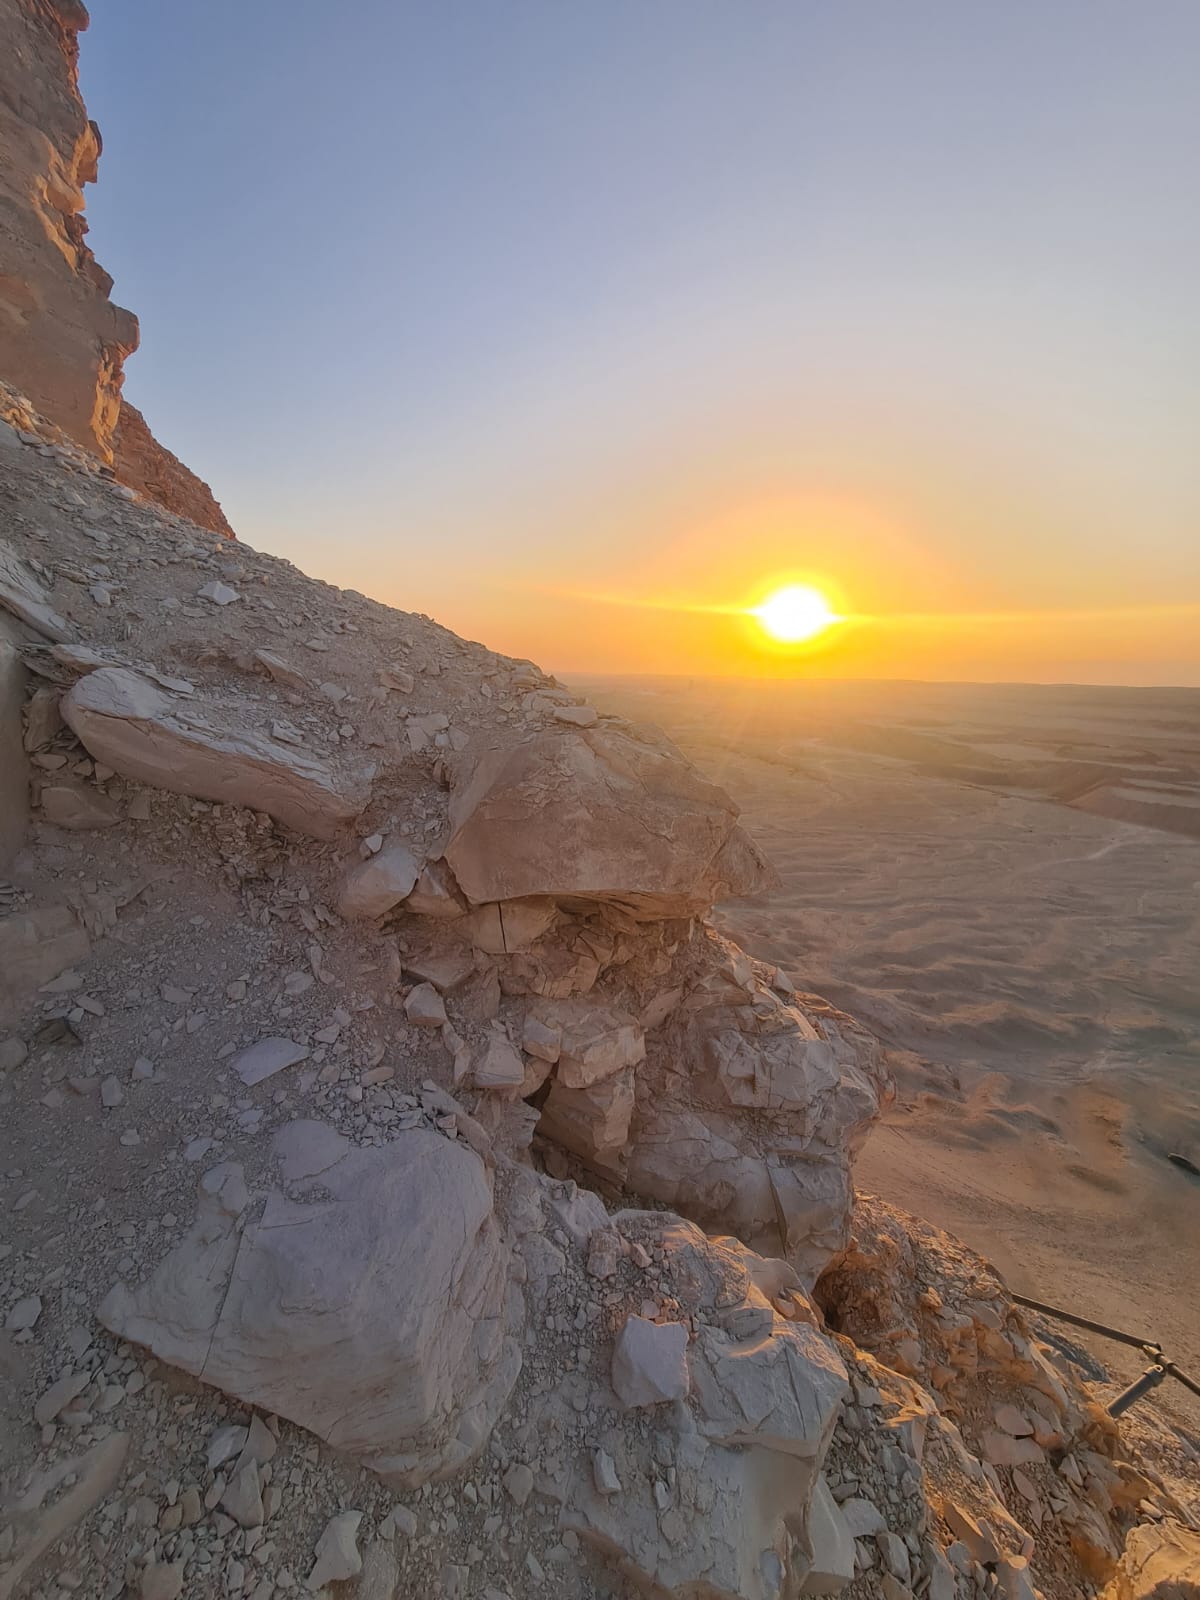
[[581, 327]]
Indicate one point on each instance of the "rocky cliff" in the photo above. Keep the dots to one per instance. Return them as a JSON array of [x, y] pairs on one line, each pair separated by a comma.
[[63, 342], [407, 1191]]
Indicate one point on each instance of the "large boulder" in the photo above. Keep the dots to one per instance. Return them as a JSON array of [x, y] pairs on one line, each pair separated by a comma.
[[599, 815], [204, 749], [380, 1316]]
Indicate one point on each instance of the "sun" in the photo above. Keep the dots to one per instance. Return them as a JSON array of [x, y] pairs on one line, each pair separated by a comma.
[[794, 614]]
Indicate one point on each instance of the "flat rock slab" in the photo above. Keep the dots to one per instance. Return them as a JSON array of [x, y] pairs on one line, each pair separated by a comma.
[[267, 1057], [202, 748], [650, 1362]]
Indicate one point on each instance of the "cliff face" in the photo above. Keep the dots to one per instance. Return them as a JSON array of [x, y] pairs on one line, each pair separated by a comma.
[[63, 342]]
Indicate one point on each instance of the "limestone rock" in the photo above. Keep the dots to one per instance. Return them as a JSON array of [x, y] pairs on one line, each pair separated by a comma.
[[738, 1519], [425, 1007], [830, 1544], [1161, 1561], [599, 815], [375, 886], [748, 1113], [298, 1312], [266, 1057], [650, 1362], [436, 894], [130, 725], [337, 1556], [73, 805], [500, 1065], [35, 947], [595, 1041], [509, 925], [23, 596]]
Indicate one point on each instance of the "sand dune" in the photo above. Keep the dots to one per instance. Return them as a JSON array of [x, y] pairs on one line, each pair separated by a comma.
[[969, 870]]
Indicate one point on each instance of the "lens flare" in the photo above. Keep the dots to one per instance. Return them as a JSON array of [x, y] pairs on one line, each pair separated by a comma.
[[794, 614]]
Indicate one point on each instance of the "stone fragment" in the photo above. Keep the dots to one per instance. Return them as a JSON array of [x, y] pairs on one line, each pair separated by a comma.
[[576, 716], [650, 1362], [1010, 1419], [436, 894], [376, 885], [266, 1057], [225, 1444], [203, 748], [500, 1065], [74, 805], [276, 667], [596, 1040], [59, 1395], [540, 1039], [425, 1007], [337, 1556], [862, 1517], [518, 1483], [162, 1581], [599, 814], [24, 1314], [830, 1544], [593, 1122], [12, 1052], [219, 593], [446, 970], [242, 1497], [23, 596], [604, 1473]]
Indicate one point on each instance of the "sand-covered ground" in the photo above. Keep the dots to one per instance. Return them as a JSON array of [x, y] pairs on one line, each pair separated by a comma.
[[1004, 882]]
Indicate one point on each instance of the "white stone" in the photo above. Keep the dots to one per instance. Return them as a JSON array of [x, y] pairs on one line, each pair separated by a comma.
[[499, 1066], [425, 1007], [203, 748], [267, 1057], [219, 593], [374, 886], [650, 1362], [830, 1544], [337, 1556], [298, 1312]]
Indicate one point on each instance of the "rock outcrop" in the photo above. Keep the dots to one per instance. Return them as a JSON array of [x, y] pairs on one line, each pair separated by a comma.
[[404, 949], [63, 342], [236, 942], [623, 820]]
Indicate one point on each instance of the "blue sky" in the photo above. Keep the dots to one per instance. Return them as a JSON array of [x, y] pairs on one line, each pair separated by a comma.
[[485, 307]]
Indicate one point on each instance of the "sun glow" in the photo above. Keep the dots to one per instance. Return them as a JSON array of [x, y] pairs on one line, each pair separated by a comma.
[[795, 614]]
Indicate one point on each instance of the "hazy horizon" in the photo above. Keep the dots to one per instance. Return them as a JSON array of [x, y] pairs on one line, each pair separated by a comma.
[[582, 329]]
